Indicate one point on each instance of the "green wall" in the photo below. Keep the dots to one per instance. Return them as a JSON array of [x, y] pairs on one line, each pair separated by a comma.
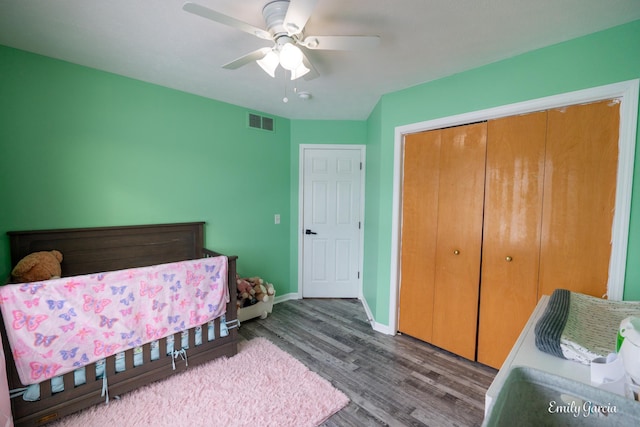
[[371, 286], [82, 148], [594, 60], [316, 132]]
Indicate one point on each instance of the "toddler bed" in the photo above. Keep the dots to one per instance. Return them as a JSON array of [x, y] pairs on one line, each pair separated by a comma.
[[92, 255]]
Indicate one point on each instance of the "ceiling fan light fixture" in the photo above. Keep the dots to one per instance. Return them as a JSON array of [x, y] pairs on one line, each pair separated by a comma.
[[290, 57], [299, 72], [269, 63], [285, 21]]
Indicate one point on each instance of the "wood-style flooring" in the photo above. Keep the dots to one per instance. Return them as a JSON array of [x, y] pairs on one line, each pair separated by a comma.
[[391, 380]]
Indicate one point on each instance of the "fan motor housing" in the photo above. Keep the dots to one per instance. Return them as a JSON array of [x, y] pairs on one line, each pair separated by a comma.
[[274, 14]]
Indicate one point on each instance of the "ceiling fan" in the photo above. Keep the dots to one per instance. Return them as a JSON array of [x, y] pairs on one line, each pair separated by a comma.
[[285, 21]]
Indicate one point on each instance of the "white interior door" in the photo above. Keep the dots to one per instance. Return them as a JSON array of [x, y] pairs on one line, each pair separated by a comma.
[[331, 221]]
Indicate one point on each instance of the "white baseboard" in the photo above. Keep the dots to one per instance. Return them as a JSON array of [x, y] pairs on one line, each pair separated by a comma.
[[286, 297], [378, 327]]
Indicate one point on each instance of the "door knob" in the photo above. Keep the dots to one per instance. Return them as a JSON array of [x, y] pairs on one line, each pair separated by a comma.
[[307, 231], [508, 259], [456, 252]]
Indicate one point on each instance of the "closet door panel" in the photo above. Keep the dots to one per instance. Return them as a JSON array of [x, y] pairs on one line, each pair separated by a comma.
[[459, 238], [579, 197], [512, 227], [418, 241]]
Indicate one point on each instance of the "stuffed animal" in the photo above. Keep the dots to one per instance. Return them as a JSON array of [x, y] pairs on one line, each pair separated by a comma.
[[253, 290], [255, 285], [245, 292], [255, 280], [270, 289], [261, 293], [38, 266], [245, 289]]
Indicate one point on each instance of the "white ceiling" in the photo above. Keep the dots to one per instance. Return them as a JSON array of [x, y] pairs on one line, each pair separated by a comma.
[[421, 40]]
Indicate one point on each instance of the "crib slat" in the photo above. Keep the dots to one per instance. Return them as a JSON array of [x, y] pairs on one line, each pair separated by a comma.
[[90, 373], [177, 341], [192, 338], [128, 359], [110, 365], [45, 389], [146, 353], [68, 380], [163, 347]]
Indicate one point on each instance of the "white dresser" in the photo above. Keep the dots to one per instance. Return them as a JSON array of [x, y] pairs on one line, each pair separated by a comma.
[[525, 353]]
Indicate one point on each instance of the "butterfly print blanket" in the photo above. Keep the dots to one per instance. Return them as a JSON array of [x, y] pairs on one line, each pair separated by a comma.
[[58, 325]]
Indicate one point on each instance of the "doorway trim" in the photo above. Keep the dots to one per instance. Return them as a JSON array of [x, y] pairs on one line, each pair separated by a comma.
[[363, 152], [627, 92]]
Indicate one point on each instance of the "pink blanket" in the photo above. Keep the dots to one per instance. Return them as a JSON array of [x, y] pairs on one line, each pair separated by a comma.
[[58, 325]]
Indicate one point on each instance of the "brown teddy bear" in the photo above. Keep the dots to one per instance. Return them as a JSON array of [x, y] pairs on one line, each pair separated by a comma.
[[263, 290], [38, 266], [260, 292]]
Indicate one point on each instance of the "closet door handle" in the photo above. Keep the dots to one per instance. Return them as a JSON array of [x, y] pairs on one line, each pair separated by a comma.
[[456, 252], [508, 259]]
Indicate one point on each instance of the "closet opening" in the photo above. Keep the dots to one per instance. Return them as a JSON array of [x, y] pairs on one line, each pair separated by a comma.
[[625, 95]]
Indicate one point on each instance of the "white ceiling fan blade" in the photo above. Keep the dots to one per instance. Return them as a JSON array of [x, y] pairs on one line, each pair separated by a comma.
[[249, 57], [298, 14], [340, 42], [207, 13]]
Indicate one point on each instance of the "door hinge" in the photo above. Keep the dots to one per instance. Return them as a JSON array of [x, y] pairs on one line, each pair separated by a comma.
[[360, 165], [359, 225], [358, 274]]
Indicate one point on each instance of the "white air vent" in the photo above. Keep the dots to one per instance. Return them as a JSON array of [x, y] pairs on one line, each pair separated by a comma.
[[261, 122]]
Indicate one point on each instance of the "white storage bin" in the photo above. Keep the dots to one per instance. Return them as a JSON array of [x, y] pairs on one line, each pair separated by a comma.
[[261, 310]]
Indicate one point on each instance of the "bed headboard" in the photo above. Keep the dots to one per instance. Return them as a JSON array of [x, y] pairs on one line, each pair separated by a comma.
[[94, 250]]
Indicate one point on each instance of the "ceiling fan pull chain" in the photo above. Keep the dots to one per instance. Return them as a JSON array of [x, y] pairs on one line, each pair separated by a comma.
[[285, 99]]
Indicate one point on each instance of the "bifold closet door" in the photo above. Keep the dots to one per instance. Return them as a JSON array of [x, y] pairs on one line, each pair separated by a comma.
[[579, 197], [419, 227], [512, 227], [547, 216], [443, 187], [459, 238]]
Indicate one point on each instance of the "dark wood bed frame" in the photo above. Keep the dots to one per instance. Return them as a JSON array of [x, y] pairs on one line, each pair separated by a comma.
[[94, 250]]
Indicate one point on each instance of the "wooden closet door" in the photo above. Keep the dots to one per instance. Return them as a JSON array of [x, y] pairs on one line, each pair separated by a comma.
[[512, 227], [459, 238], [579, 197], [419, 226]]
